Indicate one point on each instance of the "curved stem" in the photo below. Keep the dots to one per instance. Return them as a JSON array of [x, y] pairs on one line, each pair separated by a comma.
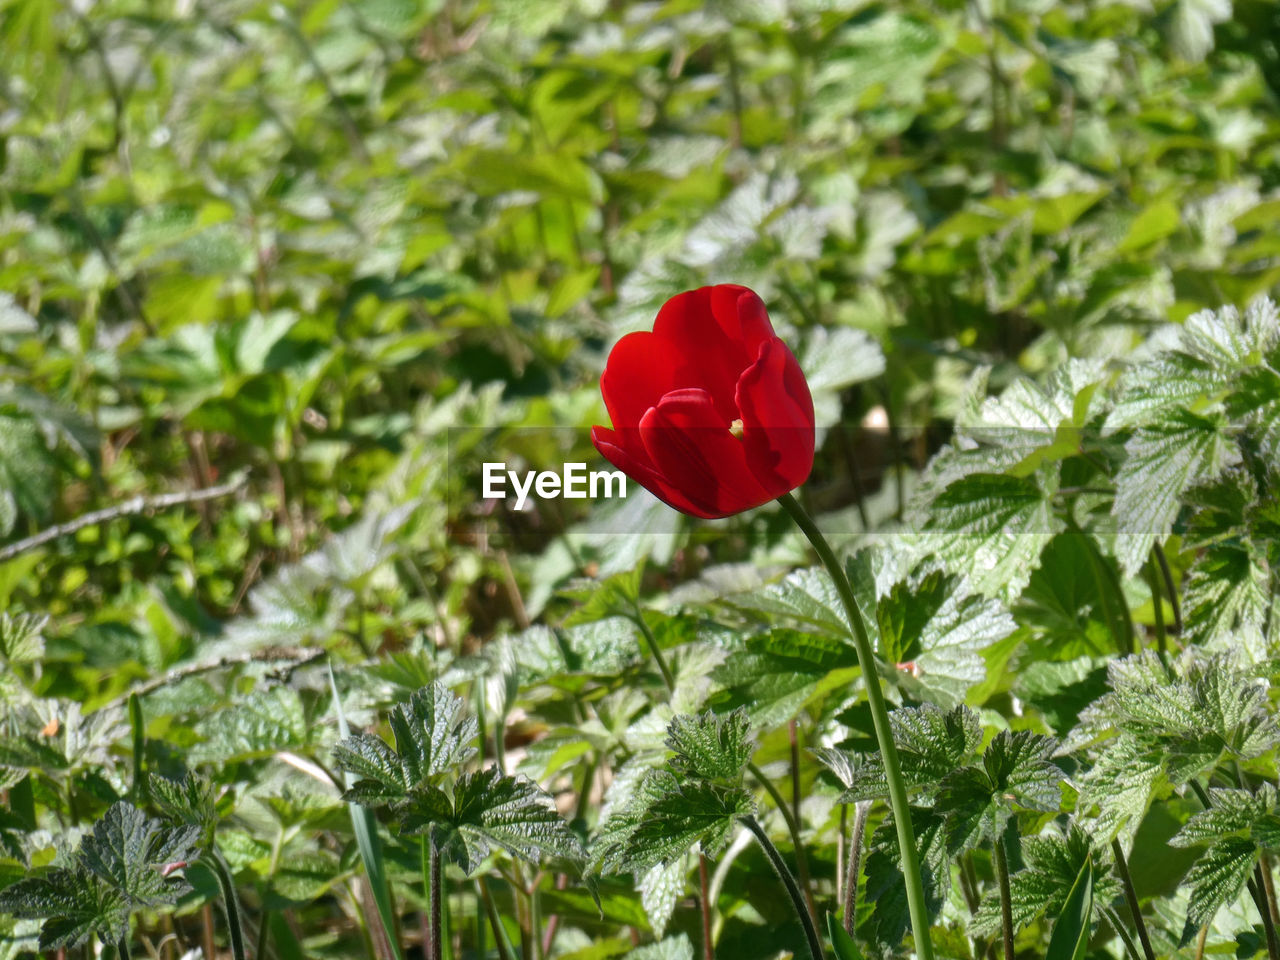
[[230, 903], [1117, 924], [884, 737], [788, 881], [793, 828], [652, 641]]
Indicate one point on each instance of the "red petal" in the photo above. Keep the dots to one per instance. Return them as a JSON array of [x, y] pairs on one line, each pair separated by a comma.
[[715, 333], [640, 370], [634, 462], [690, 445], [777, 417]]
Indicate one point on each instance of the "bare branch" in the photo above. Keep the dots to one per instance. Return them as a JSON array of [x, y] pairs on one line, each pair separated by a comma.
[[128, 508]]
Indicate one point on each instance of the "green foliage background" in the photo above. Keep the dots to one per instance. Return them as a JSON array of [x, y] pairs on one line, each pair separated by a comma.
[[335, 254]]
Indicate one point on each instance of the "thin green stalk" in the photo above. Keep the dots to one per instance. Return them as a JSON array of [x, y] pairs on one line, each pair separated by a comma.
[[1268, 924], [1131, 897], [1167, 574], [654, 649], [230, 903], [1118, 925], [880, 717], [1157, 608], [788, 881], [491, 910], [431, 876], [793, 828], [122, 949], [1006, 898]]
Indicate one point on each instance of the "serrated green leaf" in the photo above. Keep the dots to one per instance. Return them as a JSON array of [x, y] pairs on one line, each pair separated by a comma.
[[514, 813], [710, 746], [1217, 878]]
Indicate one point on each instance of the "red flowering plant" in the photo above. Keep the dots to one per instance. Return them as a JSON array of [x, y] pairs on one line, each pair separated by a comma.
[[712, 414]]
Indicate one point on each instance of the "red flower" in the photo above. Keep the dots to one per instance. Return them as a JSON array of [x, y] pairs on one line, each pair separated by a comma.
[[711, 412]]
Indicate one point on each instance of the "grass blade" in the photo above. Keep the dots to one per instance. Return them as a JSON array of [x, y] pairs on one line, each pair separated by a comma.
[[1070, 939], [841, 943], [366, 832]]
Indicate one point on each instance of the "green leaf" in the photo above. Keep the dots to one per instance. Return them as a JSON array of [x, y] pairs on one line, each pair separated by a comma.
[[21, 637], [131, 853], [514, 813], [261, 724], [841, 943], [665, 818], [1054, 865], [1070, 937], [368, 843], [660, 888], [710, 746], [74, 905], [433, 736], [191, 801], [931, 744], [996, 528], [1016, 772], [939, 627], [1162, 462], [1217, 878], [1154, 222]]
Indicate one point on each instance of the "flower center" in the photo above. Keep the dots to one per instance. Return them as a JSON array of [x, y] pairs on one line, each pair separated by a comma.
[[736, 428]]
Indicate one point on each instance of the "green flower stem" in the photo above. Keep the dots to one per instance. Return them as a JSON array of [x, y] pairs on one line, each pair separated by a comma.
[[1131, 896], [1006, 897], [788, 881], [884, 736], [122, 949]]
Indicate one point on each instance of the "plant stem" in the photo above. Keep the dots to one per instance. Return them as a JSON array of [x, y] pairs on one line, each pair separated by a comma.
[[230, 903], [1131, 897], [1260, 884], [788, 881], [860, 811], [1130, 947], [704, 905], [654, 649], [1268, 885], [793, 828], [884, 736], [499, 934], [1006, 898], [802, 858], [1167, 574], [431, 876], [1157, 607], [122, 949]]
